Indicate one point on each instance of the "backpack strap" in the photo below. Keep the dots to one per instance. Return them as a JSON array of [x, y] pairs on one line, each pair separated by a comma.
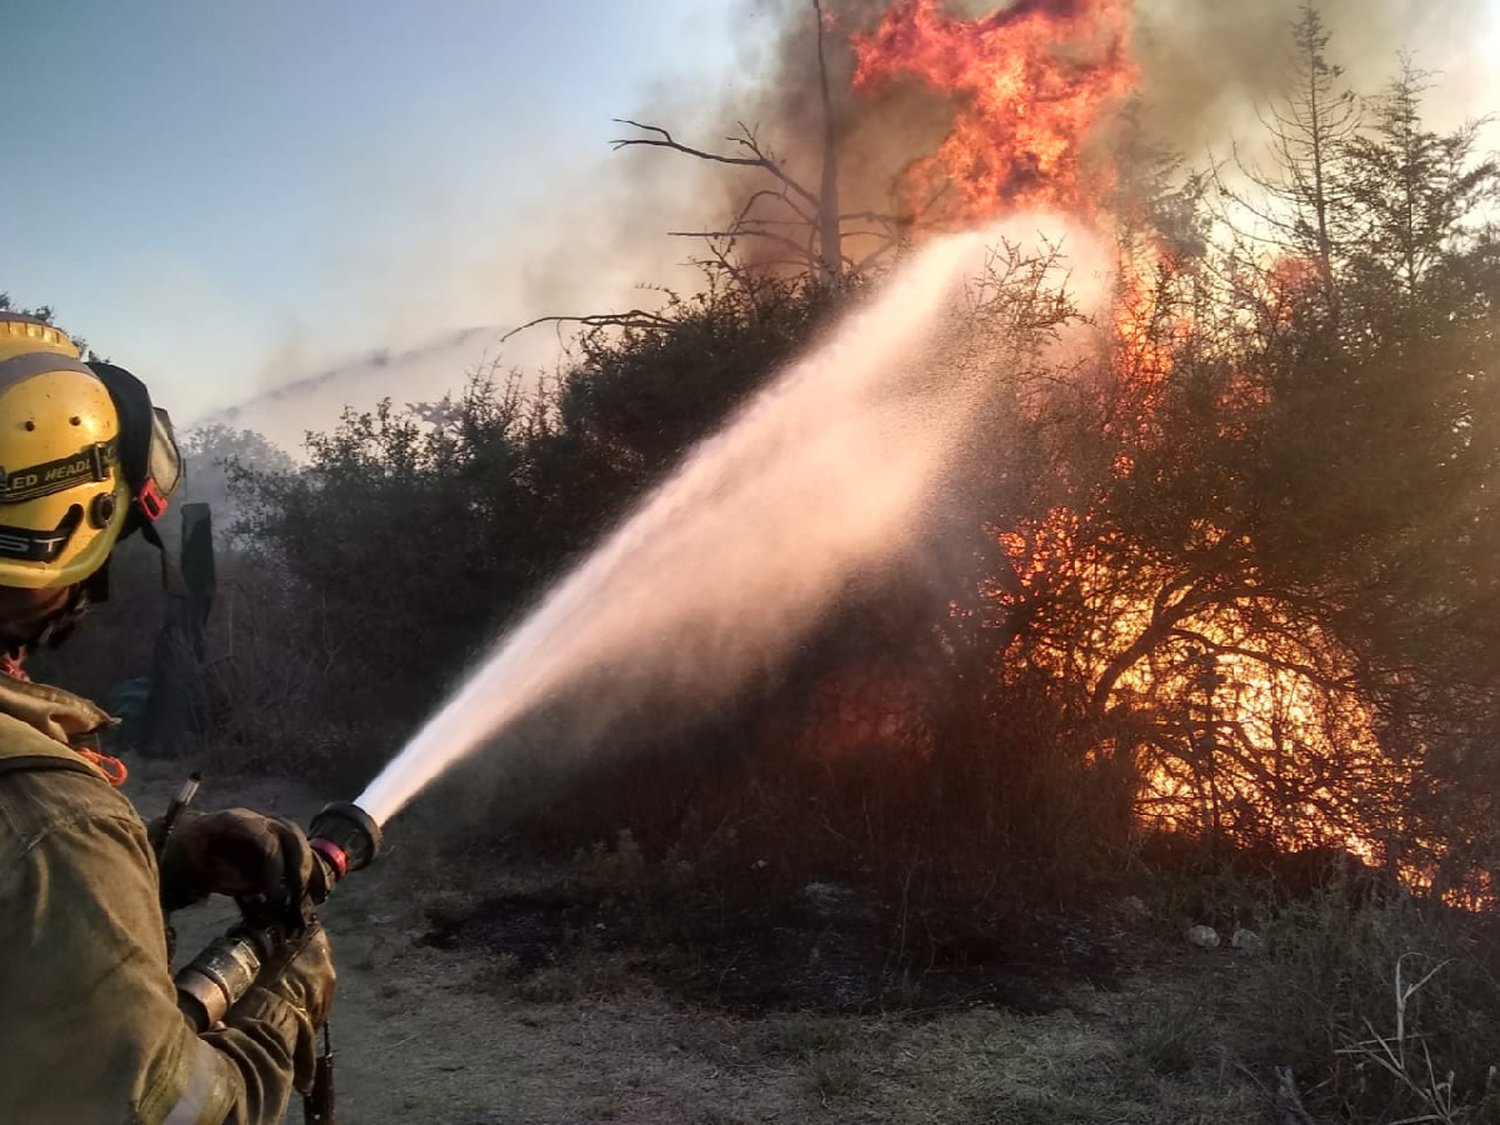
[[150, 462]]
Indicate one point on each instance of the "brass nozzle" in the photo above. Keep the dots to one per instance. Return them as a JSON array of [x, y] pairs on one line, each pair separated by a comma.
[[217, 977]]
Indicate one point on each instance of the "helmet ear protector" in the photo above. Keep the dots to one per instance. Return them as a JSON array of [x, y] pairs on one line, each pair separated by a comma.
[[149, 457]]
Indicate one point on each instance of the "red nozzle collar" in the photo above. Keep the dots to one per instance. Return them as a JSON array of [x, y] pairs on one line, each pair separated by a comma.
[[337, 858]]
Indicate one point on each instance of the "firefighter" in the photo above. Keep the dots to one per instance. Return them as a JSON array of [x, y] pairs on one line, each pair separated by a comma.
[[91, 1030]]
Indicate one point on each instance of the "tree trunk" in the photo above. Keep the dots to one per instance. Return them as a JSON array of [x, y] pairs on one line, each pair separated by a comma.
[[829, 227]]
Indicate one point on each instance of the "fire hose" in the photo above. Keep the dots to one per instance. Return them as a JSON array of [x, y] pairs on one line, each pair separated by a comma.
[[344, 839]]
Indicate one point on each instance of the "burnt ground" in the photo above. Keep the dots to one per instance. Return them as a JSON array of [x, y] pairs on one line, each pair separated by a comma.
[[827, 949]]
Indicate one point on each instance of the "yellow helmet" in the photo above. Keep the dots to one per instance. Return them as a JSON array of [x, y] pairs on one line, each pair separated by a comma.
[[71, 457]]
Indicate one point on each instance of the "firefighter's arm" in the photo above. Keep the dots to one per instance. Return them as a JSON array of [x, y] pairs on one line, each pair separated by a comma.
[[112, 1044]]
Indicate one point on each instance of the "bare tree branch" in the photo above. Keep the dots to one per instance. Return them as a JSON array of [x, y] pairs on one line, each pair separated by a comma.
[[757, 159], [781, 197], [808, 257]]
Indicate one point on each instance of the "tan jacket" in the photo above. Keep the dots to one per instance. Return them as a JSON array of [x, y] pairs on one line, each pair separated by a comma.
[[91, 1034]]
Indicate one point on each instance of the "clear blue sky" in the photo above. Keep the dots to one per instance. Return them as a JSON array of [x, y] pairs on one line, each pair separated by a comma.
[[202, 187]]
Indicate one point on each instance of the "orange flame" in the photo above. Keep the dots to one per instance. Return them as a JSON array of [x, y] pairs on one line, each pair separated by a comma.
[[1033, 81]]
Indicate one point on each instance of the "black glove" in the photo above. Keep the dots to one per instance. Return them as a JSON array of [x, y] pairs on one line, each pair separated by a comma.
[[291, 999], [247, 855]]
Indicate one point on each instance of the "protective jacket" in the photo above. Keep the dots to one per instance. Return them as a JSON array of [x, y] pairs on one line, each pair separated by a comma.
[[91, 1033]]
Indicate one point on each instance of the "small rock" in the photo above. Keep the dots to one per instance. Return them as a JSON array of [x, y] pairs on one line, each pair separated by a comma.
[[1204, 937], [827, 896], [1247, 942], [1134, 909]]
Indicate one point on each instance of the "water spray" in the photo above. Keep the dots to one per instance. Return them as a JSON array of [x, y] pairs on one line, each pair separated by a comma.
[[818, 481]]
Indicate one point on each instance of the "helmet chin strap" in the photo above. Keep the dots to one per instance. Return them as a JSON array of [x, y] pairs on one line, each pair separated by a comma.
[[58, 627]]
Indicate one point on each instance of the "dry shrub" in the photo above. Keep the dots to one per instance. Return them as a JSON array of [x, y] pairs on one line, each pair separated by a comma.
[[1387, 1008]]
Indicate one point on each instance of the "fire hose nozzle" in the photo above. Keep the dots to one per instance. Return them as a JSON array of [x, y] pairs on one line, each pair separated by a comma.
[[345, 837]]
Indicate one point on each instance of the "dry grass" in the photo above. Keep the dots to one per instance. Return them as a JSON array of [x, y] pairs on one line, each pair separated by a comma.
[[1389, 1006], [992, 1066], [453, 1037]]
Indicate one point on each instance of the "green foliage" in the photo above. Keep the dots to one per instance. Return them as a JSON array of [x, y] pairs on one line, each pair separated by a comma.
[[622, 870], [397, 531]]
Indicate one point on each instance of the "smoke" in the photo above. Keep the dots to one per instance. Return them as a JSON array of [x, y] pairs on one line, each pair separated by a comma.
[[486, 215], [1209, 71], [588, 241], [284, 414], [1209, 66]]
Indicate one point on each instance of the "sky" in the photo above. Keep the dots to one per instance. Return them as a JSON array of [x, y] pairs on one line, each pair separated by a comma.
[[225, 196], [230, 197]]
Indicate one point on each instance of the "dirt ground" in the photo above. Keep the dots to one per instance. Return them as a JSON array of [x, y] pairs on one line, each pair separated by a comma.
[[443, 1032]]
